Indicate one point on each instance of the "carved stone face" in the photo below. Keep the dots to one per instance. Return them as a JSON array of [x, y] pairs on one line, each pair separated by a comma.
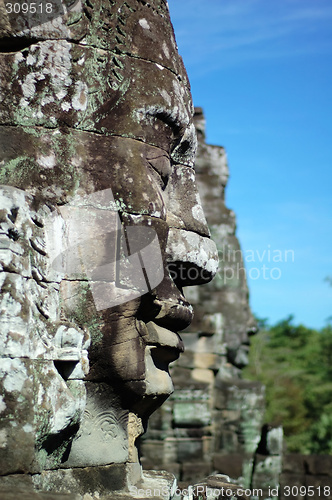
[[99, 100], [139, 338]]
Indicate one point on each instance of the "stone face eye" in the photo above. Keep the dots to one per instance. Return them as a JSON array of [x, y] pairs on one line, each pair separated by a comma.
[[162, 166]]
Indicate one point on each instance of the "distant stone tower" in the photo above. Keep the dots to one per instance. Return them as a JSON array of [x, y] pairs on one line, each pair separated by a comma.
[[213, 420]]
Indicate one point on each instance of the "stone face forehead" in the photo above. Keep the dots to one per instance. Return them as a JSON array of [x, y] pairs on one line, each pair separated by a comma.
[[110, 68]]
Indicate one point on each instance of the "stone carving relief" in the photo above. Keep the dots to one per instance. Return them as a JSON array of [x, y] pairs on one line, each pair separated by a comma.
[[92, 101]]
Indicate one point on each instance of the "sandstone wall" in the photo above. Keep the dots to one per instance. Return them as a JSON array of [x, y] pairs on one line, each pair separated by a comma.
[[306, 476]]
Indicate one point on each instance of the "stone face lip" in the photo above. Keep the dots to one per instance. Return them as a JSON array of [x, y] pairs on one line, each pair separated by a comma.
[[159, 336], [163, 347]]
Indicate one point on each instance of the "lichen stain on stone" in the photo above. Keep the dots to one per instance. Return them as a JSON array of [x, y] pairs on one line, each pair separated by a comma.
[[2, 404], [48, 67], [47, 161], [80, 100], [144, 24], [16, 377]]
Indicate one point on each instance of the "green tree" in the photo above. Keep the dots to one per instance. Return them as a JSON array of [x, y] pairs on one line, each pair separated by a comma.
[[295, 364]]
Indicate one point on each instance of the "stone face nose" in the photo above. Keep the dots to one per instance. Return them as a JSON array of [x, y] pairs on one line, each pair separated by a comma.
[[184, 207], [192, 258]]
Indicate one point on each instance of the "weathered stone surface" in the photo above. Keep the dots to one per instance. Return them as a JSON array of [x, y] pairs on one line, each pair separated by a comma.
[[318, 464], [193, 473], [12, 494], [293, 463], [103, 435], [217, 486], [232, 465], [267, 471], [90, 480], [311, 472], [94, 155], [275, 441], [90, 150], [291, 480]]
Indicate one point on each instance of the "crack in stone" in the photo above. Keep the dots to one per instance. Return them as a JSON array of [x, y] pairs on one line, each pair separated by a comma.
[[116, 52], [141, 141]]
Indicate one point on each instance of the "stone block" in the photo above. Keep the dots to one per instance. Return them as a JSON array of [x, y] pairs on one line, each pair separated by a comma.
[[217, 487], [202, 343], [39, 409], [193, 473], [23, 494], [231, 465], [229, 416], [191, 413], [192, 432], [161, 419], [23, 329], [19, 481], [157, 484], [208, 444], [103, 434], [227, 442], [186, 360], [152, 451], [275, 441], [321, 485], [190, 450], [89, 480], [190, 394], [170, 450], [173, 468], [220, 398], [293, 463], [183, 376], [290, 480], [156, 435], [318, 464], [203, 375], [206, 361], [267, 471]]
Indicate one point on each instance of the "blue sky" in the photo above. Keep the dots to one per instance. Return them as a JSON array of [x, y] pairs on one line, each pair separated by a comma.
[[262, 71]]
